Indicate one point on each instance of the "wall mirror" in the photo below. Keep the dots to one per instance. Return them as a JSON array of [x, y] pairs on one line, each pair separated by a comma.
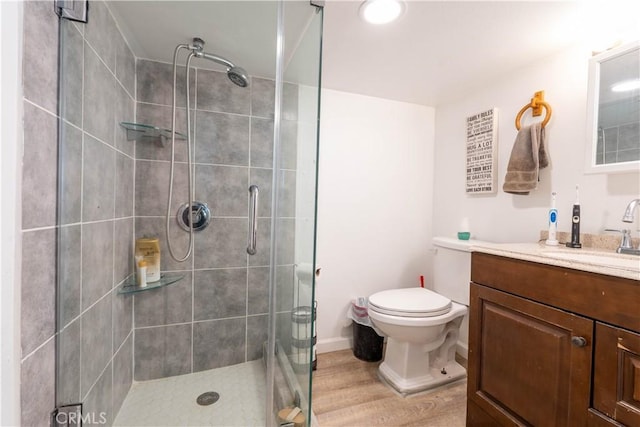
[[613, 111]]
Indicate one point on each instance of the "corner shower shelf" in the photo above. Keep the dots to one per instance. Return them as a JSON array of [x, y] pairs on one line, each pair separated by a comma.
[[135, 131], [130, 286]]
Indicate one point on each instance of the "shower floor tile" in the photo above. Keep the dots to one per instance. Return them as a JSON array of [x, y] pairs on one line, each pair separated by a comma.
[[172, 401]]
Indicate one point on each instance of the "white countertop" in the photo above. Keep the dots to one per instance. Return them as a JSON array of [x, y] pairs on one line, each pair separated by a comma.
[[585, 259]]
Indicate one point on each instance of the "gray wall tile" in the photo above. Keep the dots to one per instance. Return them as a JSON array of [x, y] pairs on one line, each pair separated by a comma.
[[70, 198], [263, 94], [37, 315], [40, 54], [69, 364], [220, 293], [98, 180], [122, 373], [287, 194], [222, 138], [37, 386], [40, 169], [164, 306], [102, 33], [258, 292], [162, 351], [288, 144], [122, 317], [155, 83], [124, 252], [69, 247], [222, 244], [261, 143], [124, 111], [124, 186], [152, 186], [71, 65], [99, 98], [96, 348], [290, 101], [257, 335], [97, 261], [224, 189], [97, 404], [125, 65], [217, 93], [218, 343]]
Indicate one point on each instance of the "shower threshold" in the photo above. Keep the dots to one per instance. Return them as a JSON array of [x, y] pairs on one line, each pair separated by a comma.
[[172, 401]]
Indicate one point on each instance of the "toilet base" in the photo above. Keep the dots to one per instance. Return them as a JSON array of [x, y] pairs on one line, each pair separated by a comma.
[[410, 367], [434, 378]]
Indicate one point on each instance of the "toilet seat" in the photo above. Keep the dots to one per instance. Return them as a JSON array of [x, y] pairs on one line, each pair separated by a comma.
[[410, 302]]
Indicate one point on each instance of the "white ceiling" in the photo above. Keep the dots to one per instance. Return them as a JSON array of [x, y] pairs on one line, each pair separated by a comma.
[[435, 53]]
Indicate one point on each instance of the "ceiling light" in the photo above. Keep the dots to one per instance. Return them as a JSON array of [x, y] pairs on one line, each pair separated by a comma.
[[626, 86], [381, 11]]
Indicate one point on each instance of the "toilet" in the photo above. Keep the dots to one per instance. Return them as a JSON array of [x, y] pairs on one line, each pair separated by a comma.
[[423, 326]]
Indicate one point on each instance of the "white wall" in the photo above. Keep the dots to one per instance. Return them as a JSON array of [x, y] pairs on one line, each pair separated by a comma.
[[375, 203], [10, 172], [504, 217]]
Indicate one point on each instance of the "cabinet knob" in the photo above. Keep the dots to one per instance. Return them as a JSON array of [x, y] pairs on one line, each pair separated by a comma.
[[578, 341]]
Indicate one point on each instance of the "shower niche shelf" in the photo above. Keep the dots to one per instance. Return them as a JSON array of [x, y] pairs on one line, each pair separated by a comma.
[[141, 132], [130, 286]]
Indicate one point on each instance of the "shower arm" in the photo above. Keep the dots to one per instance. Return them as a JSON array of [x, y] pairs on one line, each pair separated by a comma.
[[214, 58]]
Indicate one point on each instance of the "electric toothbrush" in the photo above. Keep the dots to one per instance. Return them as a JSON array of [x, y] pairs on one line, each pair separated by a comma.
[[575, 223], [553, 222]]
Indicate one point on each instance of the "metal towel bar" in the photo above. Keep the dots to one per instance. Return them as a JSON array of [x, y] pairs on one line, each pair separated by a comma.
[[253, 219]]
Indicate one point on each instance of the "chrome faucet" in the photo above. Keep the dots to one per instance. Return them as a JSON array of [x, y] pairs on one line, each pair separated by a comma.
[[628, 213], [625, 245]]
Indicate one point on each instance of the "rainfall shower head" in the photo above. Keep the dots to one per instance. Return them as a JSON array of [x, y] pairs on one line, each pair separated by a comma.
[[236, 74]]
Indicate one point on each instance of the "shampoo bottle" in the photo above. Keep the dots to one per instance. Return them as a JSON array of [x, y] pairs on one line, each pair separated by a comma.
[[149, 250], [553, 222]]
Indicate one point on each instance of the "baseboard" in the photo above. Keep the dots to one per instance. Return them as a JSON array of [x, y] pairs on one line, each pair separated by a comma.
[[462, 349], [328, 345]]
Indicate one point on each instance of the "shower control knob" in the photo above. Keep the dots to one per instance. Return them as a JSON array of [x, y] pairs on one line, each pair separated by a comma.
[[578, 341]]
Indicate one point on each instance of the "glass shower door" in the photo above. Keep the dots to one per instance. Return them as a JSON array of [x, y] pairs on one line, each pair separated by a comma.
[[294, 220], [113, 339]]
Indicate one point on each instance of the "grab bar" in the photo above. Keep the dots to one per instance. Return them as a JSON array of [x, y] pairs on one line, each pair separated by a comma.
[[253, 219]]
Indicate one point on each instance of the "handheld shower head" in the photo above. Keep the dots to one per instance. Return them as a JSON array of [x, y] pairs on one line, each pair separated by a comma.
[[238, 75]]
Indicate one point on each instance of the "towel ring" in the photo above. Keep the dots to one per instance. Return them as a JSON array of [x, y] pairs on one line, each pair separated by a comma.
[[535, 103]]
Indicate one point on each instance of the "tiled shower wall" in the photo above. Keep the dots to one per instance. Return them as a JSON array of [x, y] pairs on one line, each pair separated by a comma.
[[92, 217], [217, 315]]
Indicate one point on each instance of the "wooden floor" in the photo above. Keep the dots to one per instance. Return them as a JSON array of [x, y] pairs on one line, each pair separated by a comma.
[[347, 392]]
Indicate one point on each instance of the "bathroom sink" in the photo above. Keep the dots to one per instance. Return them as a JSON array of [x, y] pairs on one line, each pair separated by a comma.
[[605, 259]]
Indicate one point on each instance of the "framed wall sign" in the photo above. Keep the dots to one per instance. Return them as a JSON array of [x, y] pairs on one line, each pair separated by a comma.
[[482, 152]]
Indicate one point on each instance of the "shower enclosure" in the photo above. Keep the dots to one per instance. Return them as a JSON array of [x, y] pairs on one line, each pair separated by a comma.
[[226, 336]]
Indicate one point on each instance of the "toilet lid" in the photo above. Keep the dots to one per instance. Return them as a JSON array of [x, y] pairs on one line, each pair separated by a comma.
[[410, 302]]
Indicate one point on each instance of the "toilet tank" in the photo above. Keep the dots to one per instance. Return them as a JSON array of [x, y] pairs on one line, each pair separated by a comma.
[[452, 268]]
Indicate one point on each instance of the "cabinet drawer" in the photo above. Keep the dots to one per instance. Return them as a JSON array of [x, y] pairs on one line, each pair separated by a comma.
[[616, 391], [525, 366]]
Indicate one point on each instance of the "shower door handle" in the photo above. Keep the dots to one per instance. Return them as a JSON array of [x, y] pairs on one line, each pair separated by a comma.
[[253, 219]]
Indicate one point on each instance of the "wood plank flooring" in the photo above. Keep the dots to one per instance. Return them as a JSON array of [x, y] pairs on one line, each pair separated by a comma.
[[347, 392]]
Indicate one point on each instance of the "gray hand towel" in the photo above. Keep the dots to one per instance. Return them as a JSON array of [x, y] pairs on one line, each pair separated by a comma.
[[528, 156]]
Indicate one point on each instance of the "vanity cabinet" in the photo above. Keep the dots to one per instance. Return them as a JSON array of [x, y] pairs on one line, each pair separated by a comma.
[[551, 346]]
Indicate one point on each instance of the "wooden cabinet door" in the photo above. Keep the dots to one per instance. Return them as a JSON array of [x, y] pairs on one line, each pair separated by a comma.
[[616, 381], [529, 364]]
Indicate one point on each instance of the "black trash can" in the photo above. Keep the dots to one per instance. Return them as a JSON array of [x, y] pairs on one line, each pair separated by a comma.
[[367, 344]]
